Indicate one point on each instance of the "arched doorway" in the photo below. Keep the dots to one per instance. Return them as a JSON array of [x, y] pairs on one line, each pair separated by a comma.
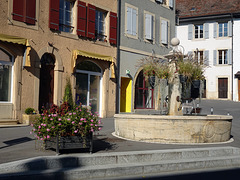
[[46, 81], [144, 93], [88, 84]]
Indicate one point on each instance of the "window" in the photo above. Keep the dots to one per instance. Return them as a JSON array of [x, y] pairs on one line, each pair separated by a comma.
[[131, 21], [65, 15], [24, 11], [100, 25], [198, 31], [199, 56], [222, 29], [149, 27], [5, 76], [222, 56], [164, 29]]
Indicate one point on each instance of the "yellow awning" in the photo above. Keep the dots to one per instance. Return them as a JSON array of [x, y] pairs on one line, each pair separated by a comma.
[[22, 41], [76, 53]]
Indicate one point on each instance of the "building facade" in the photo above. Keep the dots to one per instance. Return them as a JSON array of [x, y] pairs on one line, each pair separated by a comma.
[[211, 36], [146, 28], [44, 42]]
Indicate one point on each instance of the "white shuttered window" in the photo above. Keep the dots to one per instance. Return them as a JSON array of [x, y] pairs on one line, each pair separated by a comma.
[[164, 32], [131, 21]]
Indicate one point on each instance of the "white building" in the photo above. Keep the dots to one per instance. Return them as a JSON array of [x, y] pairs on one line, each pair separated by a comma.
[[211, 35]]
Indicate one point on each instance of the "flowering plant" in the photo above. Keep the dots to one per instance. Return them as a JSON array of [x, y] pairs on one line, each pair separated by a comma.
[[65, 121]]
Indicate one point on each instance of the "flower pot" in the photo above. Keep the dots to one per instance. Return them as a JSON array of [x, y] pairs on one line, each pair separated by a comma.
[[196, 83], [182, 78], [28, 118], [70, 142]]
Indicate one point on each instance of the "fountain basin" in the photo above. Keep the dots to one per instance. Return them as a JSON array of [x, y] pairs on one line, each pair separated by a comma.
[[173, 129]]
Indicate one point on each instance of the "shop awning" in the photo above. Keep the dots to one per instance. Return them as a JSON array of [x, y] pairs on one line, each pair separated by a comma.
[[21, 41], [76, 53]]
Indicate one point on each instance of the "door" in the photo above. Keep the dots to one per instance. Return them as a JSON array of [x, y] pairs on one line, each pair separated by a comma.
[[144, 98], [46, 81], [222, 87], [126, 95], [88, 80]]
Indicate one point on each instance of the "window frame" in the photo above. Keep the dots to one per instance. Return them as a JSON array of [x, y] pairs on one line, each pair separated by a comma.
[[199, 56], [98, 35], [131, 35], [168, 32], [198, 31], [223, 29], [152, 39], [63, 27], [11, 76], [11, 21], [225, 57]]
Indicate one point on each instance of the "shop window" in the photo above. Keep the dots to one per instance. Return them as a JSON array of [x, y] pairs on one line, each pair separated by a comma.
[[5, 76]]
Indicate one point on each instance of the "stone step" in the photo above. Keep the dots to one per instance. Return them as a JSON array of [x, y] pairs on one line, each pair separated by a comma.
[[5, 121], [128, 169], [123, 159]]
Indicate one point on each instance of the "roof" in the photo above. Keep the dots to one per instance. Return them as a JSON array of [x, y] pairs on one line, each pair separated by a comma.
[[196, 8]]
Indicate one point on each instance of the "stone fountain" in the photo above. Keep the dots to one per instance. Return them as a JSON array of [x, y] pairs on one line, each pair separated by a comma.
[[174, 127]]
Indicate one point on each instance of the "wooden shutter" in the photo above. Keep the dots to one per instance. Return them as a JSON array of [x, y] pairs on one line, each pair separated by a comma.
[[91, 21], [54, 14], [229, 56], [214, 57], [82, 18], [215, 30], [129, 20], [230, 28], [134, 22], [164, 32], [30, 17], [18, 10], [206, 57], [190, 32], [171, 3], [206, 30], [148, 26], [113, 28]]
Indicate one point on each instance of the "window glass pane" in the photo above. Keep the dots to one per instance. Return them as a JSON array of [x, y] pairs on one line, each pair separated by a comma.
[[88, 66], [94, 92], [5, 82], [81, 88], [225, 29], [220, 57], [201, 31], [196, 31], [220, 30], [225, 57]]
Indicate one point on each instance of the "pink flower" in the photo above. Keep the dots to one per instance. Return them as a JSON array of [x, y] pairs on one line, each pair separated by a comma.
[[70, 114], [75, 131], [39, 127], [59, 119], [49, 115], [48, 136], [30, 132], [48, 130], [54, 115], [59, 124], [53, 127], [34, 129], [74, 113], [91, 120], [51, 119], [99, 128], [68, 119], [80, 123], [91, 124], [44, 125], [73, 122]]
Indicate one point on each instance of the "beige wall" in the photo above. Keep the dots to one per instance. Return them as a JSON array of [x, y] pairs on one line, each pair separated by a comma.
[[39, 36]]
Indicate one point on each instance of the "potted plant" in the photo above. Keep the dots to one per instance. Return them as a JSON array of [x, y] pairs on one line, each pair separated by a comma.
[[66, 128], [29, 116]]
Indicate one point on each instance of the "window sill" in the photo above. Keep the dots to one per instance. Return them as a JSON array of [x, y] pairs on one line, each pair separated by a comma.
[[102, 43], [22, 24], [68, 35], [131, 36]]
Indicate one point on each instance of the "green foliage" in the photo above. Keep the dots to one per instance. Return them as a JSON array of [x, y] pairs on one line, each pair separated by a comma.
[[68, 97], [30, 111]]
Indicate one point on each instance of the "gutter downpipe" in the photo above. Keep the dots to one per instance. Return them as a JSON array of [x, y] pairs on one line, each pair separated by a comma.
[[118, 59]]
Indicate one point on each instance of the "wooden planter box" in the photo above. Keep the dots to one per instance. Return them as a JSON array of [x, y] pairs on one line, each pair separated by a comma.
[[70, 142]]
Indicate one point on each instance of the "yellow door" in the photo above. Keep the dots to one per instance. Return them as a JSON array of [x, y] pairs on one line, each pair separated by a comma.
[[126, 95]]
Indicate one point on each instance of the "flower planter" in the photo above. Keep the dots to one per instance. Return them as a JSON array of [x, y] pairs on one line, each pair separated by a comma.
[[70, 142], [196, 83], [182, 78], [28, 118]]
